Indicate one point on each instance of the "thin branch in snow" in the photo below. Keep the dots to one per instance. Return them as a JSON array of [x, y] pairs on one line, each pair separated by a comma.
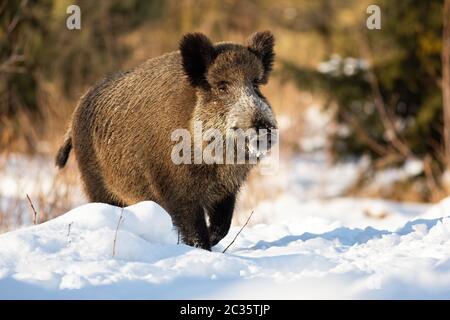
[[68, 231], [34, 210], [117, 229], [246, 222]]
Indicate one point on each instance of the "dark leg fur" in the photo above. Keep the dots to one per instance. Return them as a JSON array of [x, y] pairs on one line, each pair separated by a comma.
[[191, 224], [220, 219]]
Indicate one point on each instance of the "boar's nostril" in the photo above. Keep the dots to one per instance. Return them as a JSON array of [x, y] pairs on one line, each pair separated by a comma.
[[261, 125]]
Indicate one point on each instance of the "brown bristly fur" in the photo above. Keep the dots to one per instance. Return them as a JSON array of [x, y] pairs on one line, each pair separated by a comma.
[[121, 132]]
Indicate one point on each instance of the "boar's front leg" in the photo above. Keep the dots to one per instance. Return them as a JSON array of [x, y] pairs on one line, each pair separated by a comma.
[[191, 225], [220, 218]]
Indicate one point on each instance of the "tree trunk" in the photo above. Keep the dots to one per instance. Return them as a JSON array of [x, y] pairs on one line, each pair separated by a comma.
[[446, 80]]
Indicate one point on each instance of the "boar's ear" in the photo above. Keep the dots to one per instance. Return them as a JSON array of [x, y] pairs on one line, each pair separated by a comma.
[[197, 53], [261, 44]]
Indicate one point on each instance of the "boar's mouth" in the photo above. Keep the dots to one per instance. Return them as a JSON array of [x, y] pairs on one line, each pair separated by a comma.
[[258, 146]]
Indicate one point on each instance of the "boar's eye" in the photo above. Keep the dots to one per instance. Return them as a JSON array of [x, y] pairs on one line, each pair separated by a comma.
[[222, 86]]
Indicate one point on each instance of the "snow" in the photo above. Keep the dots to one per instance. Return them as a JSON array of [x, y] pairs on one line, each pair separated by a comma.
[[309, 257], [337, 66], [37, 177], [305, 240], [412, 167]]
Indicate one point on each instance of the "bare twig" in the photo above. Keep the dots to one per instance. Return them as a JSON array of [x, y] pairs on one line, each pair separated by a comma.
[[34, 210], [432, 183], [246, 222], [68, 231], [16, 19], [388, 160], [380, 104], [117, 229], [371, 142], [10, 65], [446, 81], [438, 149]]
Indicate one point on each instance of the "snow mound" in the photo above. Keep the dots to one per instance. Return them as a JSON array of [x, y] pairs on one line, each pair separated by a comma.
[[72, 257]]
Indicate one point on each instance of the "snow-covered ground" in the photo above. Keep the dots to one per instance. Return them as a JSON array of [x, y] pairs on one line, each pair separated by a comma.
[[305, 241], [308, 257]]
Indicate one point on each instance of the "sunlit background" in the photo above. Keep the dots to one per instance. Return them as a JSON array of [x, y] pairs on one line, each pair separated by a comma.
[[360, 111]]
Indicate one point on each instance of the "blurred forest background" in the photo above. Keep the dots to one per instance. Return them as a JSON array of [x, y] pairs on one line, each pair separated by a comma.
[[386, 90]]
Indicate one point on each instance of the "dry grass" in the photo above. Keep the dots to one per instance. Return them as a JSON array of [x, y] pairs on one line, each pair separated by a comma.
[[51, 193], [412, 189]]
